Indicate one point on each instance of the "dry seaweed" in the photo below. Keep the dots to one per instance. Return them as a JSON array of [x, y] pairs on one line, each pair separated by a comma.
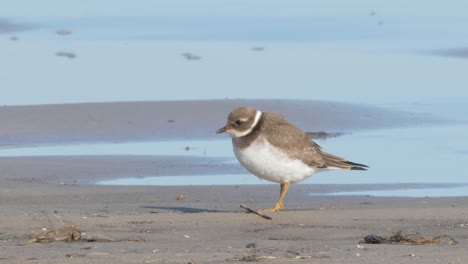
[[66, 233], [410, 239], [72, 234], [69, 233]]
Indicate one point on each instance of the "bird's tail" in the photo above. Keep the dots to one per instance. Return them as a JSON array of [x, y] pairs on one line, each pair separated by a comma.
[[335, 162]]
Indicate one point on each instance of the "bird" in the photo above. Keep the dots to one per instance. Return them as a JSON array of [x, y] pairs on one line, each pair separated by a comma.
[[272, 148]]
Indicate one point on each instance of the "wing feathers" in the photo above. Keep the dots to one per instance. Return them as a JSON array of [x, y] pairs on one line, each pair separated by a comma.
[[286, 135]]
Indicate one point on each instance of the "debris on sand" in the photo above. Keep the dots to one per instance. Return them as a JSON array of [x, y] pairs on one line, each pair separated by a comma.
[[255, 258], [91, 254], [190, 56], [63, 32], [180, 198], [69, 55], [411, 239], [66, 233], [257, 48], [248, 258], [251, 245], [71, 233]]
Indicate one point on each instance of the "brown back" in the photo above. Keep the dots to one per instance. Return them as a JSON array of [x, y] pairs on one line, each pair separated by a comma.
[[284, 135]]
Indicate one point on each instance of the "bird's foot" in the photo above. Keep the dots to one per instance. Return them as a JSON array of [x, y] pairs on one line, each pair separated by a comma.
[[278, 207]]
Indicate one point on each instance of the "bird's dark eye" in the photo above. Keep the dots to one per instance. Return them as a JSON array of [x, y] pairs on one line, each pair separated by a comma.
[[239, 122]]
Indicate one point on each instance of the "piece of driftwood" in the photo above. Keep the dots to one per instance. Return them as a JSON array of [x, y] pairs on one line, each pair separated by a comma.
[[250, 210]]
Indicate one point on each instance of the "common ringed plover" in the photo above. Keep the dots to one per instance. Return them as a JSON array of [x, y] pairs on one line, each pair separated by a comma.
[[272, 148]]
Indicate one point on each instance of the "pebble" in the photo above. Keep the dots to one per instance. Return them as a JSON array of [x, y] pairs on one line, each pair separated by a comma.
[[251, 245]]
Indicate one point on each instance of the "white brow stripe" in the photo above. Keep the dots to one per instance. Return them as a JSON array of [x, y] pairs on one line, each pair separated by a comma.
[[257, 118]]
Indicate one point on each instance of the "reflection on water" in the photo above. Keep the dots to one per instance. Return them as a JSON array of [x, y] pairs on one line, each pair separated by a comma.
[[289, 71], [207, 148], [445, 190], [211, 148], [247, 179], [7, 26], [430, 192], [224, 179], [423, 154], [356, 51]]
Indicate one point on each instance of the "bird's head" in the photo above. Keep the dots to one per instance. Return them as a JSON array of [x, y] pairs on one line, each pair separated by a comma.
[[241, 121]]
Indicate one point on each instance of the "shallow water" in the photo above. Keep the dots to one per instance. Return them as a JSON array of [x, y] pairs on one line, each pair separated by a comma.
[[360, 51], [207, 148], [248, 179], [410, 192], [223, 179], [424, 154]]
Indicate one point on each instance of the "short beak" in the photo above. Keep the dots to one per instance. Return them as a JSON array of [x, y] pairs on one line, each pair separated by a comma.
[[221, 130]]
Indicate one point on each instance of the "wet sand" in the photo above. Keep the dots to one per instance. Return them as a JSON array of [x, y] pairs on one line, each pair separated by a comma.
[[147, 224], [169, 120]]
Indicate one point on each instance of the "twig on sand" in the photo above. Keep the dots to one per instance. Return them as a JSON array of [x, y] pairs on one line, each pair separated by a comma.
[[104, 238], [60, 219], [250, 210], [48, 219]]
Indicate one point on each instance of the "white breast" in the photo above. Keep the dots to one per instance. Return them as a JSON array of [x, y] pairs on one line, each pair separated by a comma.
[[267, 162]]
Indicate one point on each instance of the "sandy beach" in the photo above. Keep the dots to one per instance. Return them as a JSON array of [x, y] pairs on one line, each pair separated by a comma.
[[148, 224], [108, 113]]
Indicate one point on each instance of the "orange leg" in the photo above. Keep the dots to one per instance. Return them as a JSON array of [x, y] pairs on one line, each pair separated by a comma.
[[279, 204]]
